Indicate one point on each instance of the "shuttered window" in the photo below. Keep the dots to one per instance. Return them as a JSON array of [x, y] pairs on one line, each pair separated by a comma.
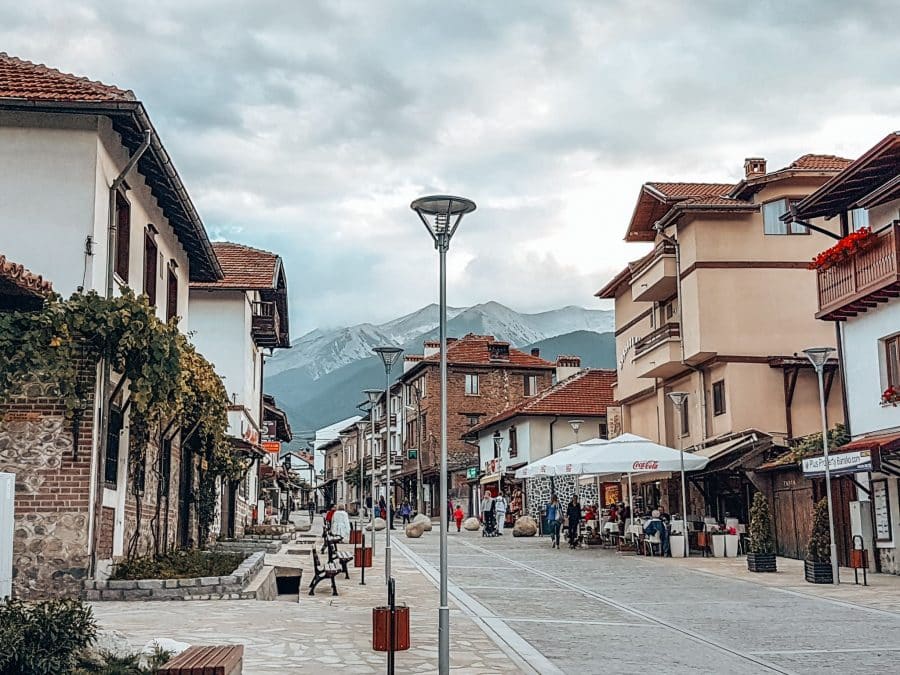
[[150, 270], [123, 237], [171, 296]]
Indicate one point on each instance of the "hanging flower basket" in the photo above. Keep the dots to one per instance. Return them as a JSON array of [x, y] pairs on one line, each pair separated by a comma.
[[855, 242], [891, 396]]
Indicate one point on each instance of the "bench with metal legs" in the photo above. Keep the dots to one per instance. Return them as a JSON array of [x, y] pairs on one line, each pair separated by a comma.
[[328, 570]]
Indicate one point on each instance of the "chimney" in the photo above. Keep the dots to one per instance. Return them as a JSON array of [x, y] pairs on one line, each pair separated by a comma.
[[409, 360], [566, 366], [498, 351], [432, 347], [754, 166], [536, 352]]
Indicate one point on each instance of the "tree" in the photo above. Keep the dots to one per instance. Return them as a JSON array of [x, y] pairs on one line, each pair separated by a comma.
[[761, 539], [819, 549]]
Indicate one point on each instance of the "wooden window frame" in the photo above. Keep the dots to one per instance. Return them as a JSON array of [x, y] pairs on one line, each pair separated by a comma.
[[121, 265], [892, 365], [718, 397], [513, 442], [171, 297], [113, 440], [151, 271], [471, 377], [530, 390], [685, 422]]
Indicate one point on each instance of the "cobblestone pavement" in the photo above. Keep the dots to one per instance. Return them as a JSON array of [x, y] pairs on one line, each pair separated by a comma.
[[518, 606], [595, 611]]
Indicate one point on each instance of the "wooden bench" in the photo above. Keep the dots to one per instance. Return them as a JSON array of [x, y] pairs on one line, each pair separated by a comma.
[[225, 660], [321, 571], [335, 554]]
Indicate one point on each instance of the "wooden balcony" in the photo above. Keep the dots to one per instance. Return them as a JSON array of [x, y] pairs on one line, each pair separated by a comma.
[[266, 325], [658, 354], [862, 281]]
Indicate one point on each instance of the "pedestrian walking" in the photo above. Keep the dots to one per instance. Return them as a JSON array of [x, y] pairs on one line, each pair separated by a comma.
[[573, 515], [500, 507], [458, 517], [382, 510], [391, 511], [340, 523], [405, 511], [554, 519], [449, 513]]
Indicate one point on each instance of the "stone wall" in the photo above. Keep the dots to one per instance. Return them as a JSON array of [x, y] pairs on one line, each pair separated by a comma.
[[50, 546], [888, 559], [538, 492], [231, 587]]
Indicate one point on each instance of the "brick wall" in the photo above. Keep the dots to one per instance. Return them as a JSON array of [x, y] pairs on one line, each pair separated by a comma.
[[106, 528], [50, 547]]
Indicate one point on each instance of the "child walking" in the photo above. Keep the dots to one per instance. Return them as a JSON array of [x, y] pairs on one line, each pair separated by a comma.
[[458, 517]]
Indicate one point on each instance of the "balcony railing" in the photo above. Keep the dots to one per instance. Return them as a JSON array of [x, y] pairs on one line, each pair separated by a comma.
[[859, 282], [661, 334], [266, 326]]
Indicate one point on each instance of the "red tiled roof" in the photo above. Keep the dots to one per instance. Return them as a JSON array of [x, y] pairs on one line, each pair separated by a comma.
[[21, 278], [29, 81], [473, 349], [586, 393], [245, 268], [656, 199], [682, 190], [820, 163], [885, 442], [711, 200]]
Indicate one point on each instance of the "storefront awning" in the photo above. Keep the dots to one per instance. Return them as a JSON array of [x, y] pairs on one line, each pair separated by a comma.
[[717, 450], [490, 478]]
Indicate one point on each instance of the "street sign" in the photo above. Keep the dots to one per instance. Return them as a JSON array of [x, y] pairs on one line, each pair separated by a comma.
[[412, 453], [840, 463], [270, 430], [472, 473], [272, 446]]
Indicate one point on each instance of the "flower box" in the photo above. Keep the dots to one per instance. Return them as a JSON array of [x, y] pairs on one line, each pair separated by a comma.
[[855, 242], [731, 545], [891, 396], [761, 562], [718, 545], [818, 572]]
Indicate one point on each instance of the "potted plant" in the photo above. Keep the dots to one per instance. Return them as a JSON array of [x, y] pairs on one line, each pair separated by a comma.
[[761, 550], [891, 396], [717, 541], [818, 555], [732, 539]]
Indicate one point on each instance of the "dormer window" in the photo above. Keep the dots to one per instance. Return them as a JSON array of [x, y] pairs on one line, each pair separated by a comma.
[[498, 351]]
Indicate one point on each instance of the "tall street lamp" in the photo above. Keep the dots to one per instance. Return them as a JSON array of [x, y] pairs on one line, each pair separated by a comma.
[[818, 356], [343, 438], [679, 400], [389, 356], [373, 395], [361, 449], [441, 215]]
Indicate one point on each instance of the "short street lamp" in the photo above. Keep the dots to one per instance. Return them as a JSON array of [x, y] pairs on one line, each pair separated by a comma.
[[389, 356], [679, 400], [818, 356], [373, 395], [441, 215]]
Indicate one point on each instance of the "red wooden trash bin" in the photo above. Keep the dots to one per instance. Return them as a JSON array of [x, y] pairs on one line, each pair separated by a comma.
[[380, 631], [356, 536], [362, 554]]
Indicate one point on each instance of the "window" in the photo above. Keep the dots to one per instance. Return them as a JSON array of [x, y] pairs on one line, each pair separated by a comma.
[[671, 309], [653, 316], [150, 253], [892, 361], [772, 223], [603, 430], [123, 236], [858, 218], [472, 420], [531, 385], [685, 419], [171, 296], [411, 432], [718, 391], [113, 432], [513, 443], [471, 385]]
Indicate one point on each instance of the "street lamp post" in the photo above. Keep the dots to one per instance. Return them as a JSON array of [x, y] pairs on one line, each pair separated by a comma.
[[818, 356], [679, 399], [343, 438], [441, 215], [389, 356], [361, 428], [373, 395]]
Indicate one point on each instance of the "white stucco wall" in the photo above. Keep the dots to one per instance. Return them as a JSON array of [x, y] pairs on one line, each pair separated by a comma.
[[864, 363], [533, 438]]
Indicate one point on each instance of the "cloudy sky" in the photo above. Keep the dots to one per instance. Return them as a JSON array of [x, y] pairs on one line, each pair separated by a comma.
[[307, 127]]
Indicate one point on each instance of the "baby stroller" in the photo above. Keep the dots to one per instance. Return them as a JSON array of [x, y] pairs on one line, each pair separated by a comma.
[[489, 527]]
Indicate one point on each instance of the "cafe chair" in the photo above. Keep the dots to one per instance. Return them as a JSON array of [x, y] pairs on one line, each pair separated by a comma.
[[650, 541]]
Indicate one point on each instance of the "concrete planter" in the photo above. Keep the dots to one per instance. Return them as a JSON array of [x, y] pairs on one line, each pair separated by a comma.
[[676, 545], [731, 545], [229, 587], [717, 544]]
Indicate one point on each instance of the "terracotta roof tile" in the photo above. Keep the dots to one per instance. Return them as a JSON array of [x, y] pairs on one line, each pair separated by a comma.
[[245, 268], [586, 393], [36, 82], [820, 163], [715, 201], [22, 279], [682, 190], [473, 349]]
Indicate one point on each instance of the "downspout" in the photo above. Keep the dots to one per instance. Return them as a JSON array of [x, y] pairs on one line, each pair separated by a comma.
[[105, 366], [674, 241]]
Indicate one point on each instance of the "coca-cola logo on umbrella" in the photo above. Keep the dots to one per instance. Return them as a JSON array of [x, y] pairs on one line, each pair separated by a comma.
[[645, 465]]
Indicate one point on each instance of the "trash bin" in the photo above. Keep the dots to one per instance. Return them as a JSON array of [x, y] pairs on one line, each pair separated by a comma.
[[362, 556], [380, 628]]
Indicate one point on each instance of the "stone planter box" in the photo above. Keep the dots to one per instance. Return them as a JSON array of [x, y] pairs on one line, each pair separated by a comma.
[[676, 545], [717, 545], [761, 562], [818, 572], [230, 587], [731, 545]]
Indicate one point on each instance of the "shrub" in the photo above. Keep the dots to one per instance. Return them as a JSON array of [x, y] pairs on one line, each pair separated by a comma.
[[761, 539], [178, 565], [43, 638], [819, 549], [107, 663]]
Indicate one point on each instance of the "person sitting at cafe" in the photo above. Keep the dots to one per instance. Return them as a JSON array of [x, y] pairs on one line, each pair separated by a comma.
[[589, 513], [655, 526], [664, 516], [613, 513]]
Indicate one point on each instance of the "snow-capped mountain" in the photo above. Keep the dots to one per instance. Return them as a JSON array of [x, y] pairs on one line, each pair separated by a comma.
[[320, 352]]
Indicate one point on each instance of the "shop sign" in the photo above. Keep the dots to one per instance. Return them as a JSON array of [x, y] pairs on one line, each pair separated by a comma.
[[270, 430], [272, 446], [613, 421], [645, 465], [841, 463], [881, 507], [472, 473]]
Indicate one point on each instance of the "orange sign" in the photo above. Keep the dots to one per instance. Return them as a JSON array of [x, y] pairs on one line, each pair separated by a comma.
[[272, 446]]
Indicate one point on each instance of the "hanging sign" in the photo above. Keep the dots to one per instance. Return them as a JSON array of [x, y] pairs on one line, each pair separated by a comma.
[[271, 446], [270, 430], [881, 508], [840, 463], [472, 473]]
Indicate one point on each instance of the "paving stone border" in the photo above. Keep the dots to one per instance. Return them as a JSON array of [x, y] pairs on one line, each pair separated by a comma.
[[229, 587]]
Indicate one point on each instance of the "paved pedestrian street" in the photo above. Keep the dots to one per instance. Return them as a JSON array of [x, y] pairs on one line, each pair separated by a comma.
[[518, 606]]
